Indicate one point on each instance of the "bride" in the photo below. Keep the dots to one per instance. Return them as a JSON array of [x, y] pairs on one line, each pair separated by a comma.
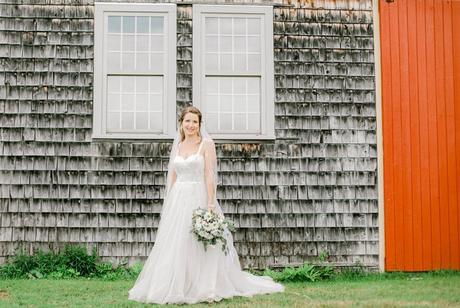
[[178, 269]]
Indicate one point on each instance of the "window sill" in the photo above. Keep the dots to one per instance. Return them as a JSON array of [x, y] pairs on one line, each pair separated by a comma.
[[162, 138]]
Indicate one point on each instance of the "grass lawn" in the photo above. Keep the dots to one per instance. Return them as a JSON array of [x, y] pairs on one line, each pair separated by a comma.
[[438, 289]]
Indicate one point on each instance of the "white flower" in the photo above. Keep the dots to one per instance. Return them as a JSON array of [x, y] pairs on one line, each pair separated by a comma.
[[209, 227]]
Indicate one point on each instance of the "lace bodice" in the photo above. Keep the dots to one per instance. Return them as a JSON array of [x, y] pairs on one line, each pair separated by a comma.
[[190, 169]]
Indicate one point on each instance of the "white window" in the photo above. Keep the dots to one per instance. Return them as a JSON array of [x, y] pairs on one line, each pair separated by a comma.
[[134, 70], [233, 70]]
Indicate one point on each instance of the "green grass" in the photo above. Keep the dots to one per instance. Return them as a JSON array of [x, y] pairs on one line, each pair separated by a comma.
[[436, 289]]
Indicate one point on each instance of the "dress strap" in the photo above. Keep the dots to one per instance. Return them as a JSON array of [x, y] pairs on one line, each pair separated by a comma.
[[199, 148]]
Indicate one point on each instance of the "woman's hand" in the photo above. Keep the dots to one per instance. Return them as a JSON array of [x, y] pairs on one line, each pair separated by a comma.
[[211, 208]]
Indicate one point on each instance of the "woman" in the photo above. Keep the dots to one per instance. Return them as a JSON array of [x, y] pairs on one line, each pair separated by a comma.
[[178, 269]]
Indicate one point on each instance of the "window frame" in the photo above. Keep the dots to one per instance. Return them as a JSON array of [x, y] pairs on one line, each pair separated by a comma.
[[267, 94], [168, 10]]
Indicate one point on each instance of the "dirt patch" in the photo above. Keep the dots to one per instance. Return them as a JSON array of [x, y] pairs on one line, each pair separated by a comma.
[[4, 294]]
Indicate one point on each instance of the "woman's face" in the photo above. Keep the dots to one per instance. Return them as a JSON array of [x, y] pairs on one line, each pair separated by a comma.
[[190, 124]]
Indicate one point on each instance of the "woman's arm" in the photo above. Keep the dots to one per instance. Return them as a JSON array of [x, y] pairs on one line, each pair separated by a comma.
[[209, 171], [173, 177]]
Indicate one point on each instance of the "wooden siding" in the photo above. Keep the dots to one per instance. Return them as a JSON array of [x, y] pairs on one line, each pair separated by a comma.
[[421, 127], [310, 191]]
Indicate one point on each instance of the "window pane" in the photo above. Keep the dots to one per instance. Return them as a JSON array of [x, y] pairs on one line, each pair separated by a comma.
[[254, 103], [211, 25], [240, 44], [137, 43], [211, 103], [156, 121], [239, 103], [156, 93], [254, 63], [240, 63], [239, 85], [253, 25], [127, 120], [142, 61], [113, 121], [211, 62], [143, 24], [226, 103], [133, 98], [156, 62], [114, 24], [156, 42], [233, 103], [142, 43], [113, 61], [254, 122], [238, 51], [253, 85], [127, 84], [211, 85], [225, 85], [226, 62], [113, 84], [142, 84], [128, 42], [156, 102], [113, 102], [226, 121], [211, 43], [239, 26], [142, 120], [254, 44], [114, 42], [142, 101], [156, 85], [240, 121], [127, 102], [225, 25], [128, 24], [156, 25], [225, 44]]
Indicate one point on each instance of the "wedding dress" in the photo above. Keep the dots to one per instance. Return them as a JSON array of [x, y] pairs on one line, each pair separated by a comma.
[[178, 269]]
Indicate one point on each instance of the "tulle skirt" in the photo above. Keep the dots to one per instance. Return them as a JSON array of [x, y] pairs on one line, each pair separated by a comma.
[[179, 270]]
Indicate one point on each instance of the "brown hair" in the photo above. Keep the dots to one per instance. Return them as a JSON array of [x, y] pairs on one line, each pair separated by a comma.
[[190, 109]]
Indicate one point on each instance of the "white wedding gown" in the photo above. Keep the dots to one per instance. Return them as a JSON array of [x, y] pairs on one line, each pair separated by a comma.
[[178, 269]]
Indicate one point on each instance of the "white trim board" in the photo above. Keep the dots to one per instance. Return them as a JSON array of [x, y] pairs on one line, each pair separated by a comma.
[[379, 119]]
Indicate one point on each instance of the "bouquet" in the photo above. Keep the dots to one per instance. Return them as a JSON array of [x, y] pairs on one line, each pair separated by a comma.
[[209, 228]]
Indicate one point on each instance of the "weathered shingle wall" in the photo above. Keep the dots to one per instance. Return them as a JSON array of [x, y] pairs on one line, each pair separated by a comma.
[[313, 190], [325, 114]]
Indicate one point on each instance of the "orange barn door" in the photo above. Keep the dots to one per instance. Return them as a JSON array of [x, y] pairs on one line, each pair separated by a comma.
[[420, 48]]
